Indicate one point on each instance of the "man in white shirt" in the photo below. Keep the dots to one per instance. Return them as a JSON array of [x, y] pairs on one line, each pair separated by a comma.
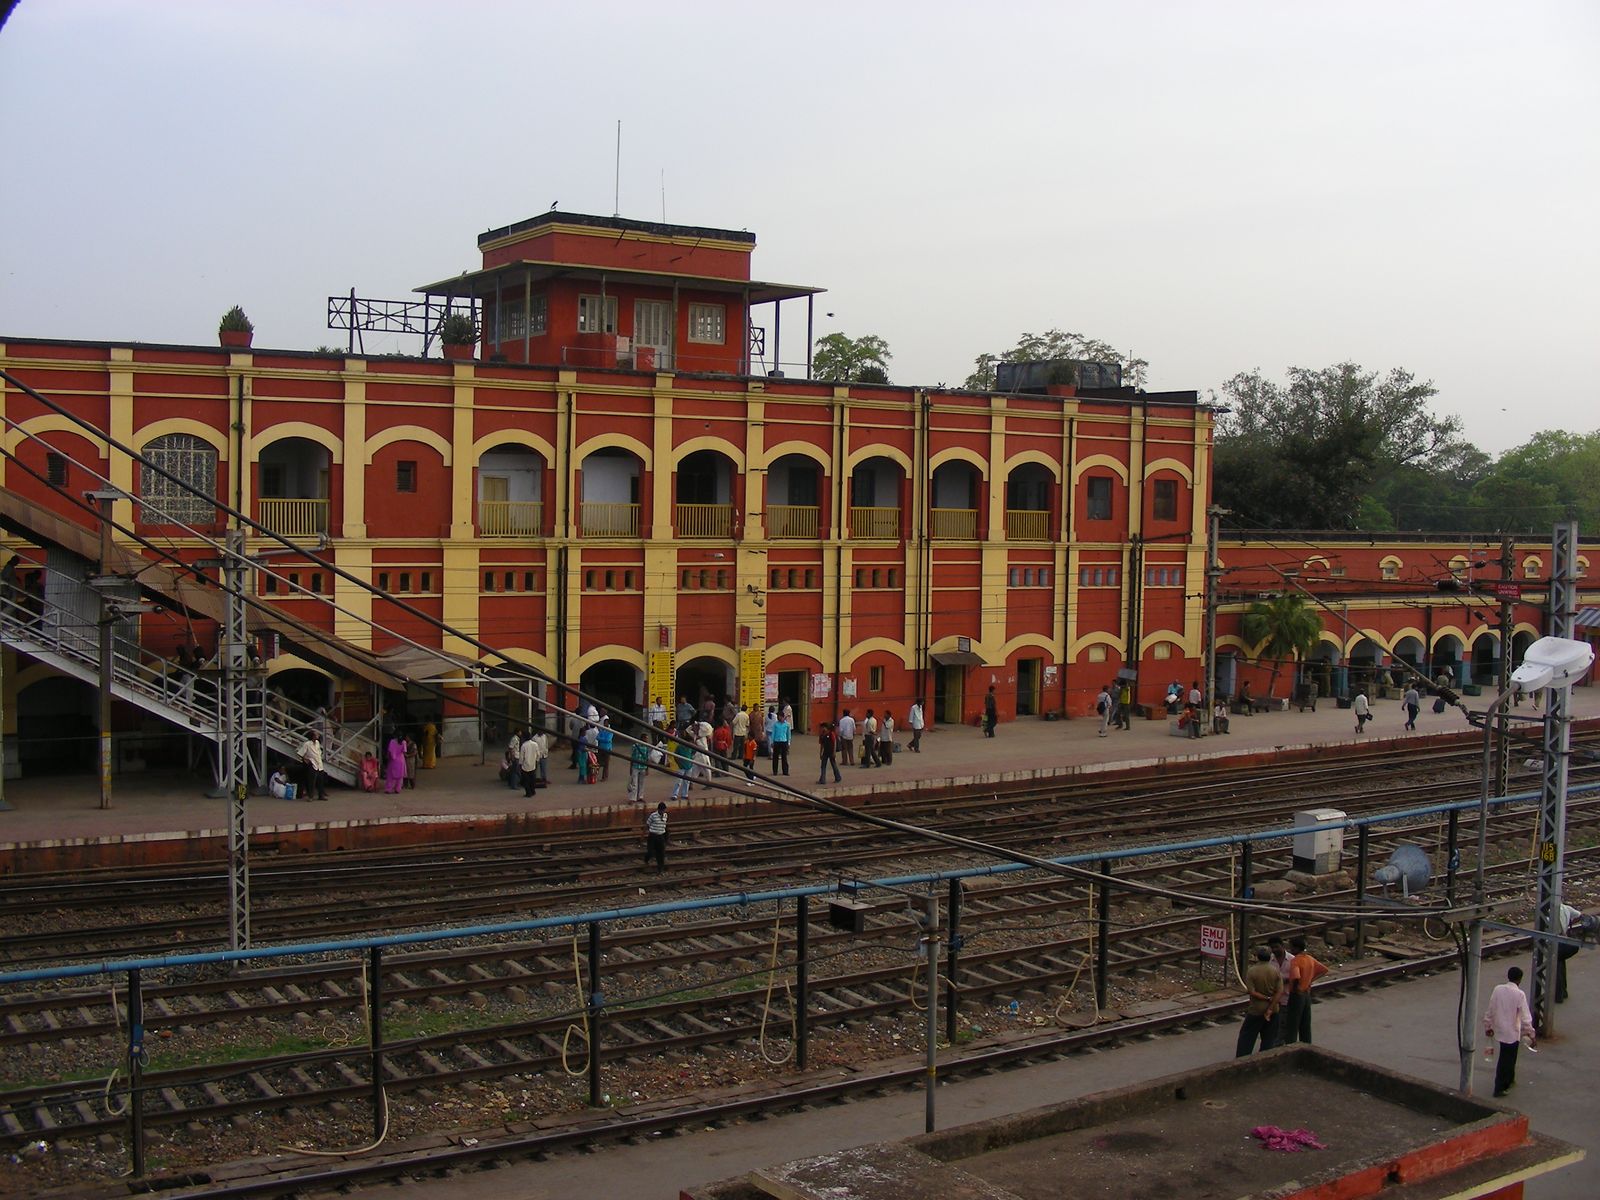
[[1508, 1020], [914, 723], [311, 757], [1363, 711], [528, 757], [869, 740], [656, 714], [740, 728]]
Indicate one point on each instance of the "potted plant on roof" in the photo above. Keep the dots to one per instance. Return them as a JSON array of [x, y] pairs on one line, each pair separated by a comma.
[[235, 329], [458, 335]]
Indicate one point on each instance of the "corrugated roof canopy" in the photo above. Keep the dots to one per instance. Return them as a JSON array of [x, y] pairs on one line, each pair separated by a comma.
[[511, 277]]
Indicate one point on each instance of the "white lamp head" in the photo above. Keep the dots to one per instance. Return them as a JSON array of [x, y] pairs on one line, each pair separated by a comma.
[[1552, 662]]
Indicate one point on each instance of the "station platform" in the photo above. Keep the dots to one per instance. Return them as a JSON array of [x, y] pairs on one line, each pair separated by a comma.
[[1408, 1028], [56, 821]]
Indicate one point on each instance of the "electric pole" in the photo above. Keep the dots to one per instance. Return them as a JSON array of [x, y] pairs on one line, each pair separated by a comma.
[[1213, 580], [1502, 760], [106, 616]]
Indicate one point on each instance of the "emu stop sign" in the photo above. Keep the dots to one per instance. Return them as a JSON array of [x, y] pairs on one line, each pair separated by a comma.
[[1214, 941]]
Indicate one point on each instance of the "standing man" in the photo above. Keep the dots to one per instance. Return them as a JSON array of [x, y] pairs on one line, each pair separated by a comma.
[[1363, 711], [1303, 972], [825, 750], [1283, 962], [655, 837], [1508, 1020], [781, 731], [311, 758], [656, 714], [1413, 703], [638, 768], [1572, 924], [991, 713], [529, 756], [1262, 982], [1105, 705], [1125, 705], [869, 740], [685, 713], [738, 728], [885, 746], [847, 739], [914, 723]]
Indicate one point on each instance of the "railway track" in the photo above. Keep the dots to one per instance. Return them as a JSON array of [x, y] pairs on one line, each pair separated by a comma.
[[338, 895]]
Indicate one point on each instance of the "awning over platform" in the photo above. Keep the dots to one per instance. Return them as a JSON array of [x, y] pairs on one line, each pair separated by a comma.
[[1587, 618], [957, 658]]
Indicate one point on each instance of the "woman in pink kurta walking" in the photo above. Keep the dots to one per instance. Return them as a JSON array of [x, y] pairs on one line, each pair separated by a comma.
[[394, 765]]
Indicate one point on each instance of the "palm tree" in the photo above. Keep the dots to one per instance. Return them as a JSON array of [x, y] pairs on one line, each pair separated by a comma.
[[1283, 627]]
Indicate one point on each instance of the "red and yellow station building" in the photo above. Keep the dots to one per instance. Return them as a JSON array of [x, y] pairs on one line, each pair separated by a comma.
[[610, 487]]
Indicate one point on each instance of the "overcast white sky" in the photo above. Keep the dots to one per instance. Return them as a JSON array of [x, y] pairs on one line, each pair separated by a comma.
[[1214, 186]]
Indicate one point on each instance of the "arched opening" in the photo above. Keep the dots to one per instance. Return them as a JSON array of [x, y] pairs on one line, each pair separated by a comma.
[[1409, 650], [1520, 641], [1028, 495], [875, 487], [293, 487], [704, 495], [704, 679], [1325, 668], [193, 461], [794, 497], [617, 685], [511, 499], [1448, 656], [610, 490], [1365, 675], [57, 727], [516, 702], [1486, 658], [954, 511], [302, 686]]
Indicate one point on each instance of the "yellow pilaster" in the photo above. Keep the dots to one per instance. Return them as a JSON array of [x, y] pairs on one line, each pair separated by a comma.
[[459, 599], [239, 366], [355, 448], [119, 384], [353, 615]]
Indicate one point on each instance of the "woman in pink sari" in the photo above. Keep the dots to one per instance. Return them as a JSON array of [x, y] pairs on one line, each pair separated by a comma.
[[394, 765]]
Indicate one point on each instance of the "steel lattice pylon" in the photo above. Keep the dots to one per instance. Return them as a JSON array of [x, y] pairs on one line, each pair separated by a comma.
[[1553, 793], [234, 765]]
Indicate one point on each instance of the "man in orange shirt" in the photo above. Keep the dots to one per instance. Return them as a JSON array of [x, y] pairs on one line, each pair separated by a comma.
[[1303, 972]]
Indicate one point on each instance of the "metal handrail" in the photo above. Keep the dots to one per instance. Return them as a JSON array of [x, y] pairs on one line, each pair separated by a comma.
[[957, 523], [604, 518], [510, 518], [1027, 525], [704, 520], [293, 517], [870, 522], [793, 520]]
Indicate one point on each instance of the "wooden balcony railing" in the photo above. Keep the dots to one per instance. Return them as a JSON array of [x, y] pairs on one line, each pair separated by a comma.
[[1027, 525], [793, 521], [605, 519], [510, 518], [705, 520], [874, 522], [293, 518], [959, 523]]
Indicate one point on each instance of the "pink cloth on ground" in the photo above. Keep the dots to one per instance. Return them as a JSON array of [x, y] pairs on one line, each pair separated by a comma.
[[1291, 1141]]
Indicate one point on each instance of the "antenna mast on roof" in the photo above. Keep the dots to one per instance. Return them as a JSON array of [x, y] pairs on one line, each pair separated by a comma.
[[616, 195]]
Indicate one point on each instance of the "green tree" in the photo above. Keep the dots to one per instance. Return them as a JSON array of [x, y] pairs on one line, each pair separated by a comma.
[[1283, 627], [1307, 454], [844, 359], [1056, 343], [1552, 476]]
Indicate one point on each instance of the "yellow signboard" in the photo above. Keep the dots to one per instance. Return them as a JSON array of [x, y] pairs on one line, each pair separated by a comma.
[[752, 673], [659, 674]]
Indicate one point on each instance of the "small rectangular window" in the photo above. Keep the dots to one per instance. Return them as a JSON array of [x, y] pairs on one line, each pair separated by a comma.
[[794, 578], [271, 584], [294, 581], [405, 476], [777, 579], [1044, 576], [427, 582], [627, 581], [611, 581], [1099, 498], [1099, 577], [707, 323], [1166, 500], [488, 581], [55, 469], [405, 581], [1016, 577], [722, 580], [811, 578], [1083, 576], [588, 581], [1027, 577], [527, 581], [875, 679], [705, 578], [1112, 574], [383, 581], [861, 578], [877, 577], [595, 317], [508, 583], [894, 577]]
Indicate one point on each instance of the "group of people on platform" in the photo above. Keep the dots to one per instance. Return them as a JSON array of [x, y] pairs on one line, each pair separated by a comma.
[[1114, 707], [1279, 983], [390, 767]]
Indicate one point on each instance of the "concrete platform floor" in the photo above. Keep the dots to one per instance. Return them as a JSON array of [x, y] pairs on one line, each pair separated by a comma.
[[52, 808], [1407, 1027]]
